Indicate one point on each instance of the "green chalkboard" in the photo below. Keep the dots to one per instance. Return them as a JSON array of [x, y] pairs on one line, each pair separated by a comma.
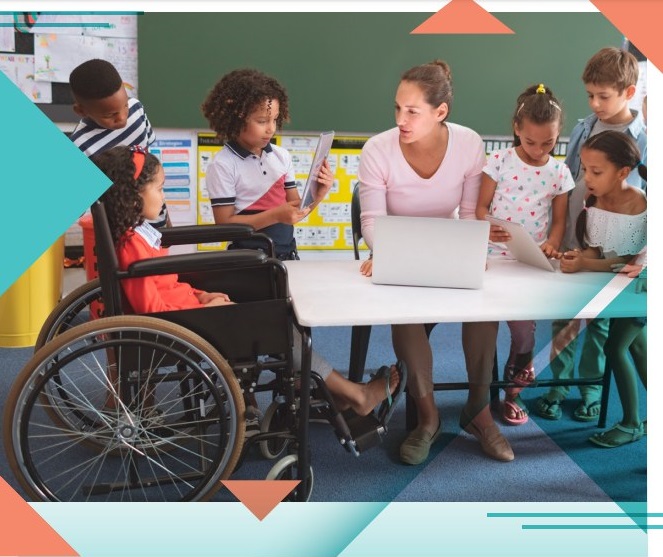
[[341, 69]]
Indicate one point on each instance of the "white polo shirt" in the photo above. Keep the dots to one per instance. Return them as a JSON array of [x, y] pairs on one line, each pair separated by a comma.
[[250, 182]]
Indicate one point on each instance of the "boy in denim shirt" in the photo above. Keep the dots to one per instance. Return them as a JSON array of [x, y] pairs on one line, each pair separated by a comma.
[[610, 77]]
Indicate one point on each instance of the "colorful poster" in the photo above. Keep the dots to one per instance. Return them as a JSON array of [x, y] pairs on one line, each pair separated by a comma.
[[57, 55], [7, 43]]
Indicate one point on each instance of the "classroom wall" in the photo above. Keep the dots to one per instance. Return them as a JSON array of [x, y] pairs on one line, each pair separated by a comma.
[[341, 69]]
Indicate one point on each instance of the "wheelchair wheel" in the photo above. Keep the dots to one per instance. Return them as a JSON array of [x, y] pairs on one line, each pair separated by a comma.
[[161, 421], [274, 419], [287, 469], [74, 309]]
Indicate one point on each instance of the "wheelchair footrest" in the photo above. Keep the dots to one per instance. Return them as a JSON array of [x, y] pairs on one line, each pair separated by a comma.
[[366, 431]]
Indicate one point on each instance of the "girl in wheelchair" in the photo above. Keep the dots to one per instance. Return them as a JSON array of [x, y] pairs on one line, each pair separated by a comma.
[[137, 195]]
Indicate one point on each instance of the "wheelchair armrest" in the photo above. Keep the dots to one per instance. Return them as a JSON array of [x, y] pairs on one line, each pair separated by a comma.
[[180, 235], [194, 262]]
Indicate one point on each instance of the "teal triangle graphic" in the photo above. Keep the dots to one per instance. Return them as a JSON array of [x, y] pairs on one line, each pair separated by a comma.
[[46, 183], [637, 511]]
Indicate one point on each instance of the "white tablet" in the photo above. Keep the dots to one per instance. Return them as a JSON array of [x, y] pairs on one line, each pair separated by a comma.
[[521, 245], [321, 153]]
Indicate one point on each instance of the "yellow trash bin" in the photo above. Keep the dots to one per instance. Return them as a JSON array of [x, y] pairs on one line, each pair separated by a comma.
[[27, 303]]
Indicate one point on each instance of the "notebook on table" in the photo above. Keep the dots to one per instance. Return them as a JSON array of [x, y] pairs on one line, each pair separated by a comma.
[[522, 246], [425, 251]]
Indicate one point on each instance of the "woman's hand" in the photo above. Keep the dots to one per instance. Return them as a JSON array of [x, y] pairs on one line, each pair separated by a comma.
[[366, 268], [498, 234], [571, 262]]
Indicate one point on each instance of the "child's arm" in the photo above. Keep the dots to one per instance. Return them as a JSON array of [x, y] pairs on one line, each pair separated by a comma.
[[288, 213], [486, 194], [209, 299], [589, 259], [557, 227]]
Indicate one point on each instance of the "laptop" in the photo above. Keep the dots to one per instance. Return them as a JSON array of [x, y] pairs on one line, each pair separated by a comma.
[[321, 153], [522, 246], [425, 251]]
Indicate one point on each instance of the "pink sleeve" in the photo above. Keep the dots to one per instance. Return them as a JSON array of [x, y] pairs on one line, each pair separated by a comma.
[[476, 160], [373, 166]]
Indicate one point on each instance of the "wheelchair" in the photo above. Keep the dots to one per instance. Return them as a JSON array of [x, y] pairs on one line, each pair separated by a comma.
[[151, 407]]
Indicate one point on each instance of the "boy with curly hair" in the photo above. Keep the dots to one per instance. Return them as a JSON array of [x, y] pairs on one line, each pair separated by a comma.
[[251, 180]]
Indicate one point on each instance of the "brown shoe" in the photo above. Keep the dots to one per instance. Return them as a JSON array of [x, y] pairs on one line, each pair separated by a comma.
[[415, 448], [493, 443]]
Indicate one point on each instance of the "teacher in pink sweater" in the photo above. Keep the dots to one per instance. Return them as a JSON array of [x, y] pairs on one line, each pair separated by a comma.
[[429, 167]]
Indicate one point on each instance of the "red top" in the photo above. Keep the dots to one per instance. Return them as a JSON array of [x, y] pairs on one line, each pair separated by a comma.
[[155, 293]]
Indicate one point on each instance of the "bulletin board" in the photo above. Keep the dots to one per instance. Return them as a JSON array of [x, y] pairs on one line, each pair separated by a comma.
[[328, 227], [39, 50], [208, 146]]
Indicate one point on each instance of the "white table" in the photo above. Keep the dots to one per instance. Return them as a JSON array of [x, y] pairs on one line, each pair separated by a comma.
[[335, 293]]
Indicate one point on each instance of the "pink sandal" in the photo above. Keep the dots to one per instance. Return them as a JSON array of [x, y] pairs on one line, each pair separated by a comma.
[[510, 407], [520, 376]]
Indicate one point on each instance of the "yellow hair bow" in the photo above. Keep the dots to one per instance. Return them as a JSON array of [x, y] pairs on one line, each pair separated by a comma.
[[541, 89]]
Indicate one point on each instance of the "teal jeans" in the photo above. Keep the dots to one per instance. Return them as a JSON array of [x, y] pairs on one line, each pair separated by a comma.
[[592, 359]]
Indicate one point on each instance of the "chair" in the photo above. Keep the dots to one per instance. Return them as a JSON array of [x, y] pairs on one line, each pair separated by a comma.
[[360, 335]]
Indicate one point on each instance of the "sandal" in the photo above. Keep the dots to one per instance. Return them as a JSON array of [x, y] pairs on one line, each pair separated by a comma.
[[522, 376], [583, 412], [511, 408], [386, 409], [548, 409], [618, 435]]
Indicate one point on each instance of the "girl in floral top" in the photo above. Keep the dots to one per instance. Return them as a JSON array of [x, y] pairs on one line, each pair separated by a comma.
[[527, 185]]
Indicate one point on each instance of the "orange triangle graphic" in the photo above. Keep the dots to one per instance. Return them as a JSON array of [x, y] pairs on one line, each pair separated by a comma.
[[462, 17], [636, 19], [260, 496], [23, 531]]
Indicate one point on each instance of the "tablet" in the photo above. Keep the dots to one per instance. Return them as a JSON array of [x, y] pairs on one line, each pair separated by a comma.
[[522, 246], [321, 153]]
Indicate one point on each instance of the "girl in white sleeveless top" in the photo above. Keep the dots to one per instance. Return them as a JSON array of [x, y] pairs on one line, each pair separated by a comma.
[[612, 230]]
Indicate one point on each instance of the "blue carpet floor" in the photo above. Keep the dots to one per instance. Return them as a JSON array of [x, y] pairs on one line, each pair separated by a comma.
[[554, 460]]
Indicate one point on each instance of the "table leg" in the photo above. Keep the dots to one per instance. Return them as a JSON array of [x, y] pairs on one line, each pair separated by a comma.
[[361, 334]]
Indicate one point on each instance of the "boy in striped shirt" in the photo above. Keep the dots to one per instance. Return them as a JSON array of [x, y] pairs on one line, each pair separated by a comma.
[[108, 116]]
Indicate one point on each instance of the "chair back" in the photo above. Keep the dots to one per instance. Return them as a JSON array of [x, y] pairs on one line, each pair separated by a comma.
[[355, 218]]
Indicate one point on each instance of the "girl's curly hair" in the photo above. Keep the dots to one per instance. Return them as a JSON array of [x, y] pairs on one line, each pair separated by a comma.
[[123, 204], [236, 95]]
